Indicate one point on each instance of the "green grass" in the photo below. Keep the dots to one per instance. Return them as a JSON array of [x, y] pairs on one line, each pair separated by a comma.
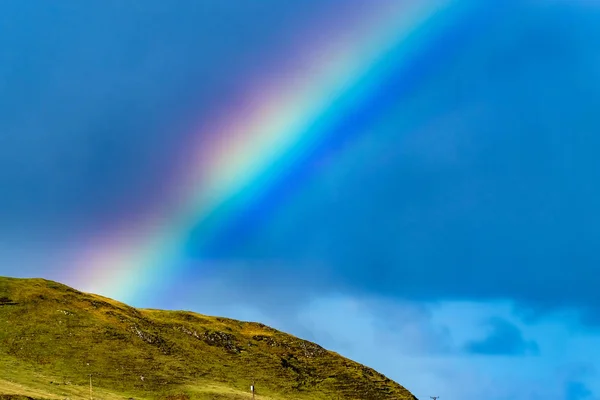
[[52, 338]]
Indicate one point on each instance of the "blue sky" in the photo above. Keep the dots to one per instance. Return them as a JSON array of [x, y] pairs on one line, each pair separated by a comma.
[[447, 237]]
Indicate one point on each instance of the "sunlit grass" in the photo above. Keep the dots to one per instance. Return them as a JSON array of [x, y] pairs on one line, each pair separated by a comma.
[[52, 338]]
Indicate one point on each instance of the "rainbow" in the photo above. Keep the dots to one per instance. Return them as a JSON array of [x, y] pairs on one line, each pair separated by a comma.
[[249, 148]]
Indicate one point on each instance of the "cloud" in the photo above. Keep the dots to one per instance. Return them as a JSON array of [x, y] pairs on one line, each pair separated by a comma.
[[505, 338], [420, 344], [360, 328], [476, 186], [474, 181], [92, 125]]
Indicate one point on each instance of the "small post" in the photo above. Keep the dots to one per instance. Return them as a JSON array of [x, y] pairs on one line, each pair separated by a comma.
[[91, 395], [252, 389]]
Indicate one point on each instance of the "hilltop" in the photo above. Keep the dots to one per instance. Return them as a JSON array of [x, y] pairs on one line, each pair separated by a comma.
[[53, 337]]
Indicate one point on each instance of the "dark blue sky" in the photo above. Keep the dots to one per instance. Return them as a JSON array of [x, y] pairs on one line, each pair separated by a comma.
[[445, 231]]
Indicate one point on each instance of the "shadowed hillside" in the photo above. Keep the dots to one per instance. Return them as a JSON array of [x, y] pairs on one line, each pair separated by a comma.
[[52, 338]]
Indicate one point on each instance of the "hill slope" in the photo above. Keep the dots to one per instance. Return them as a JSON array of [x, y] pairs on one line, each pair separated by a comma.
[[52, 338]]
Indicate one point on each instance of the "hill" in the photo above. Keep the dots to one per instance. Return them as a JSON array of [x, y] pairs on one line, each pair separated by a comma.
[[53, 339]]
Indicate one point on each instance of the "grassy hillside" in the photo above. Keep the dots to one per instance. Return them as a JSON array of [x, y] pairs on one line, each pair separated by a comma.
[[52, 338]]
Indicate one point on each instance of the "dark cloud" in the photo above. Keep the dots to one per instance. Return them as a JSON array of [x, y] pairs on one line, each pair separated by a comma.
[[504, 339], [97, 99], [477, 182], [478, 185]]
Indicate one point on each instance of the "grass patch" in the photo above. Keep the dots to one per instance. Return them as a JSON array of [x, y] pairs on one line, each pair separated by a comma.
[[52, 338]]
